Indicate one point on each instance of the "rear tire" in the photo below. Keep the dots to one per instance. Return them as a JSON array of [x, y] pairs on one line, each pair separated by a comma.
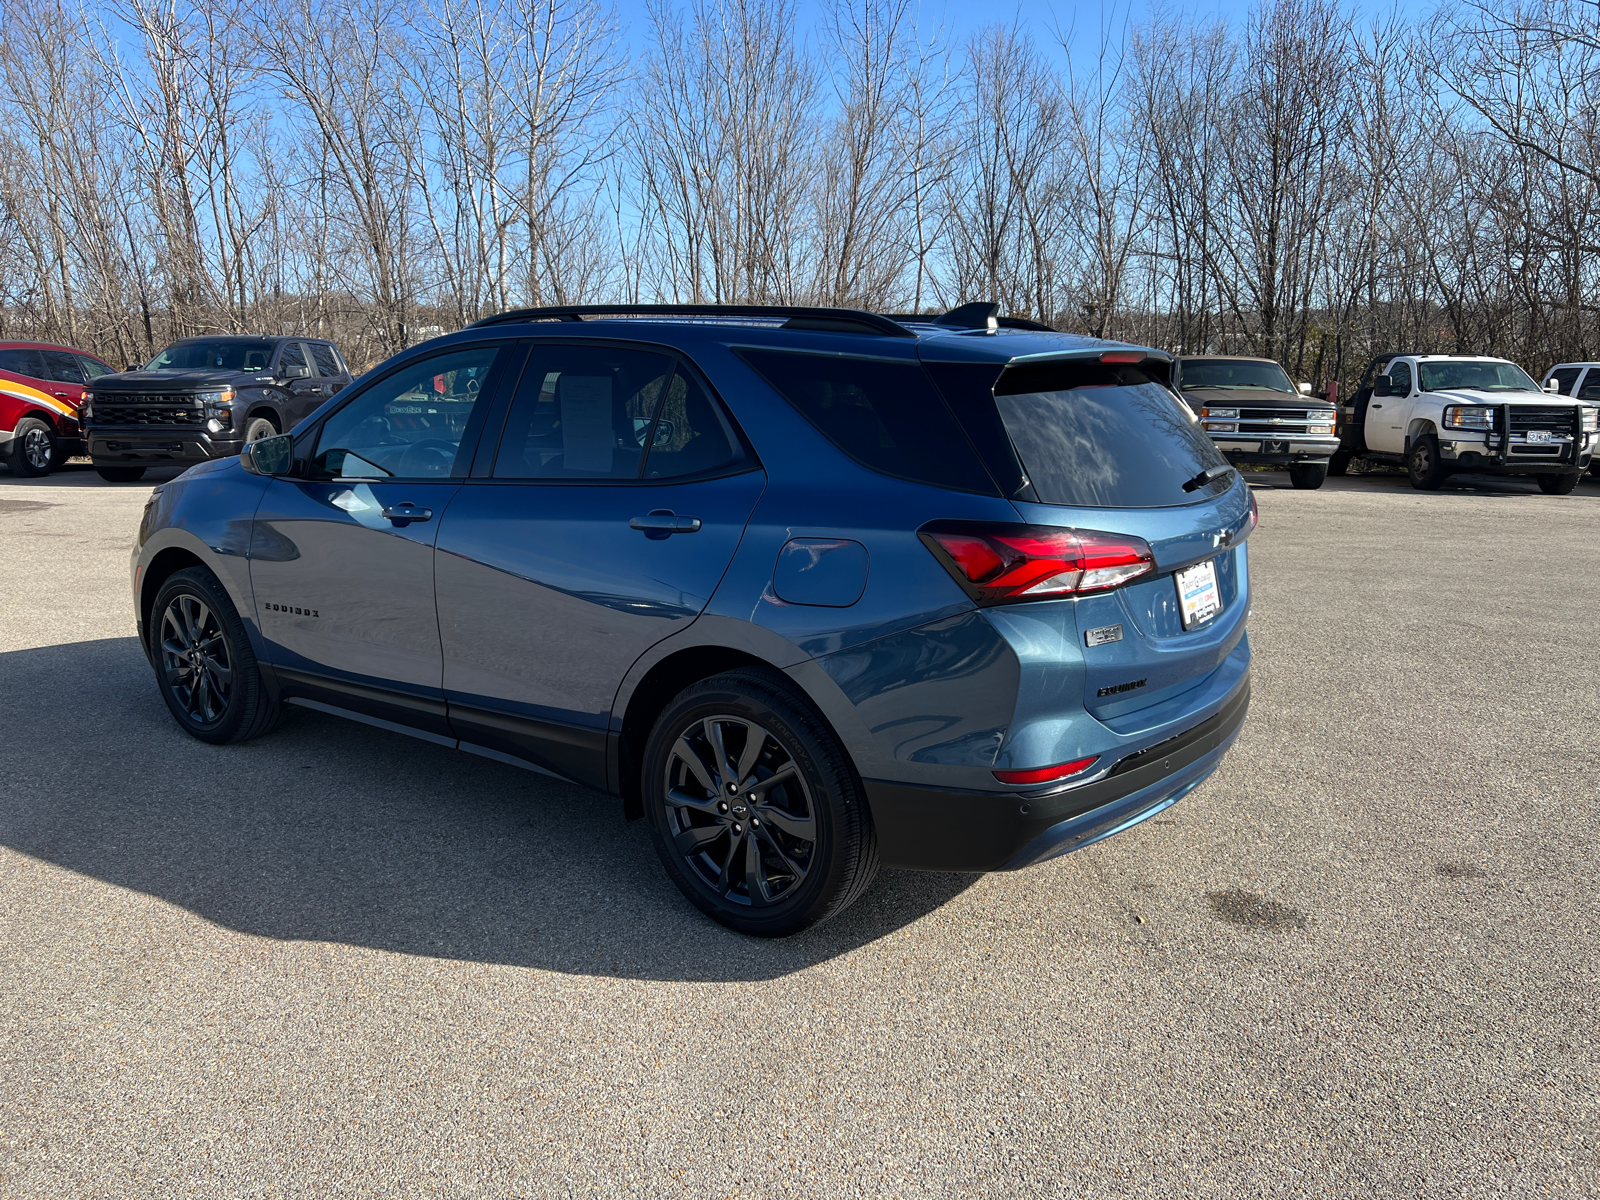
[[205, 668], [1559, 485], [33, 448], [119, 474], [1423, 464], [1308, 476], [762, 859]]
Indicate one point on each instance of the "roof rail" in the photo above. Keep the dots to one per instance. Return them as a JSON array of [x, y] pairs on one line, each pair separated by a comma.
[[974, 316], [833, 320]]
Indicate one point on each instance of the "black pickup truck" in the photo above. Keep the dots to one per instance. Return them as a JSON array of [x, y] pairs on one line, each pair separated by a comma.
[[206, 397], [1255, 415]]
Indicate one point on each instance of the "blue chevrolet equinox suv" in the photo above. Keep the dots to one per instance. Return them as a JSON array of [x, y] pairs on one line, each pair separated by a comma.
[[810, 590]]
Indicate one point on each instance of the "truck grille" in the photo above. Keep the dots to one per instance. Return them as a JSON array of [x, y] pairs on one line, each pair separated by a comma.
[[147, 410], [1552, 418], [1281, 421]]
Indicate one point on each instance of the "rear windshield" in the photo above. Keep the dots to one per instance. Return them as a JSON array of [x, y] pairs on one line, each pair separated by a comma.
[[222, 354], [884, 414], [1105, 436]]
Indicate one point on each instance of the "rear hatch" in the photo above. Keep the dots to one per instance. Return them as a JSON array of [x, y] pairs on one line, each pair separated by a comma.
[[1098, 443]]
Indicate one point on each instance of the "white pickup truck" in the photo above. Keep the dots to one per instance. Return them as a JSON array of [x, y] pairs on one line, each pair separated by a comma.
[[1440, 413]]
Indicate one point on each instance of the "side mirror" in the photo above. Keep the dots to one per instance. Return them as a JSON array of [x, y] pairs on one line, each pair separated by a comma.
[[1305, 389], [269, 456], [1381, 385], [300, 371], [1553, 385]]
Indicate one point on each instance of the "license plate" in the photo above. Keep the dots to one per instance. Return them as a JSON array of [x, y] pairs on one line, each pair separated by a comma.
[[1197, 593], [1540, 435]]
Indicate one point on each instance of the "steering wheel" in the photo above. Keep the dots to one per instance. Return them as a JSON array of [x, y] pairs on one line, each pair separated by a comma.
[[426, 459]]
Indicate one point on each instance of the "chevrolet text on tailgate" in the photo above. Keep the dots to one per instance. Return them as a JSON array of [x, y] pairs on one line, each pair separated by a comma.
[[1441, 413], [809, 590]]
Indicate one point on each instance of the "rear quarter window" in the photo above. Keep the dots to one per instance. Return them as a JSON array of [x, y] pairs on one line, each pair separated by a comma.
[[1101, 435], [885, 414]]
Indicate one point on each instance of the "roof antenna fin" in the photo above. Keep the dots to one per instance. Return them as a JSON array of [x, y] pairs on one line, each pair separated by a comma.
[[981, 314]]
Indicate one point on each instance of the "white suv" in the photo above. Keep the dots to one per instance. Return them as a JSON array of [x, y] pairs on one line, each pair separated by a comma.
[[1439, 413]]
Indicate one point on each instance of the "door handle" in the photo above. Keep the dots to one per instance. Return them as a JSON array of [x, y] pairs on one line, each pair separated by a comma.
[[663, 523], [1377, 406], [403, 514]]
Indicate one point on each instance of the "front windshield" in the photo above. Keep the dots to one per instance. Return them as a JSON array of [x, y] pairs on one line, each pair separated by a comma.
[[1234, 373], [219, 354], [1480, 376]]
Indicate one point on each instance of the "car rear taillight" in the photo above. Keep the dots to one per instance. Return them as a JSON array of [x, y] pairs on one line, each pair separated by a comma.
[[997, 564], [1047, 774], [1124, 356]]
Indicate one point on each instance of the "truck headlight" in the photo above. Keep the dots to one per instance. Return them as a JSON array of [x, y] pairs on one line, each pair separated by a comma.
[[1590, 419], [1222, 426], [1319, 429], [219, 409], [86, 409], [1468, 416], [1231, 413]]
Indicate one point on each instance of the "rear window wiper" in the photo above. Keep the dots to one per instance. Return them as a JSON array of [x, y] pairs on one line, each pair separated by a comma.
[[1209, 475]]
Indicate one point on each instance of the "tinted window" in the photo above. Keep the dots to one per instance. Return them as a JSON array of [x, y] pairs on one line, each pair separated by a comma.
[[327, 363], [292, 355], [885, 415], [94, 368], [1105, 436], [582, 412], [1400, 379], [218, 354], [409, 424], [63, 367], [1566, 377], [1212, 373], [691, 435], [21, 360]]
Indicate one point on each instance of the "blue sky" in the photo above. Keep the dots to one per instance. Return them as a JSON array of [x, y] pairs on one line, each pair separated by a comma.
[[1083, 21]]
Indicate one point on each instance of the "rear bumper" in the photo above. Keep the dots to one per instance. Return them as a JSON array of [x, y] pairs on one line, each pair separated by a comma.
[[120, 447], [938, 829]]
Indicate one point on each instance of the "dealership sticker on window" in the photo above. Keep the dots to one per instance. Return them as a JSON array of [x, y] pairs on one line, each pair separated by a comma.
[[1198, 594]]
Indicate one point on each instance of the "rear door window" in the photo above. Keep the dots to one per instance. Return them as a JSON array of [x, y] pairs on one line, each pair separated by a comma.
[[1102, 435], [22, 360], [885, 414]]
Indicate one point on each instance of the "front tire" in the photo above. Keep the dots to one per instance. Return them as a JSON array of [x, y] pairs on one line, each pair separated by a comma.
[[259, 427], [33, 448], [1308, 476], [1423, 464], [1559, 485], [754, 807], [119, 474], [205, 668]]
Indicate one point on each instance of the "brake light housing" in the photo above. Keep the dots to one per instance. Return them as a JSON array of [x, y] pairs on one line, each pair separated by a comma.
[[1040, 775], [1005, 564]]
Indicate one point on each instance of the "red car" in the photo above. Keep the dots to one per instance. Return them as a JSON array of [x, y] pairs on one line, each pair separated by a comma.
[[41, 389]]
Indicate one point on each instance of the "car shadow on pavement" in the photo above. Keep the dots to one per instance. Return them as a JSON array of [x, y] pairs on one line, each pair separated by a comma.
[[327, 830]]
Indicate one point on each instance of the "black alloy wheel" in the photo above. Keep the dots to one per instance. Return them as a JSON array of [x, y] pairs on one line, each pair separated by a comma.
[[205, 668], [755, 811], [33, 448], [258, 428]]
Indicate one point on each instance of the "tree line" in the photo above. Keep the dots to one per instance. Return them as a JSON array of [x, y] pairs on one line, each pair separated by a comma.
[[1309, 185]]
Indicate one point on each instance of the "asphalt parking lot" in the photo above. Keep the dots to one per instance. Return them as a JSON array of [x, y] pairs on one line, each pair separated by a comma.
[[1362, 959]]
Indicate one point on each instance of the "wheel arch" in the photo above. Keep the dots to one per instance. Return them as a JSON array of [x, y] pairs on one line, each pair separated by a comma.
[[1420, 427], [265, 408], [167, 563], [651, 695]]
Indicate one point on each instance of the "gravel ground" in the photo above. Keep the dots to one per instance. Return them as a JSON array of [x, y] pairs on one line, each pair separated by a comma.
[[1360, 960]]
